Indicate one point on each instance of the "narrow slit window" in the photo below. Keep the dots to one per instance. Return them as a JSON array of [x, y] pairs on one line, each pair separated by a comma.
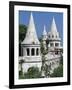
[[28, 52], [37, 51], [32, 51]]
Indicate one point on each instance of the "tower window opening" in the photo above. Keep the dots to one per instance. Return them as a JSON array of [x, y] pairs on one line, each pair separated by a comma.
[[32, 51], [28, 52], [56, 36], [49, 36], [56, 44], [52, 36], [56, 52], [37, 51], [51, 44]]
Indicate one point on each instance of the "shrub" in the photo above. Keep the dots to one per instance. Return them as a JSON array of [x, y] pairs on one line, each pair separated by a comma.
[[58, 72], [33, 72]]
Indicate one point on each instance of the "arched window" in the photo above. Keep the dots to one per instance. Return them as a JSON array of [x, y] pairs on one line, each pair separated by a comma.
[[56, 36], [56, 52], [28, 52], [37, 51], [51, 44], [32, 51], [49, 36], [56, 44], [52, 36]]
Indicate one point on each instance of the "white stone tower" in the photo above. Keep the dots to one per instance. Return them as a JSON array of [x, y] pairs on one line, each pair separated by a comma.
[[31, 48], [44, 37], [54, 39]]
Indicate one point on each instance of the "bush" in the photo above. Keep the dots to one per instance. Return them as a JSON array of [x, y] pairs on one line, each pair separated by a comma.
[[61, 60], [22, 32], [33, 72], [21, 75], [58, 72]]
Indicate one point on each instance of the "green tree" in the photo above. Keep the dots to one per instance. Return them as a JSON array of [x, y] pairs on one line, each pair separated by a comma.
[[33, 72], [21, 71], [21, 62], [43, 51], [22, 32], [58, 72], [47, 70], [41, 47], [61, 60], [47, 42]]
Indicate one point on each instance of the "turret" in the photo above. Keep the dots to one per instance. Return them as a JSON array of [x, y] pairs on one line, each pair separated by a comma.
[[31, 47], [54, 39]]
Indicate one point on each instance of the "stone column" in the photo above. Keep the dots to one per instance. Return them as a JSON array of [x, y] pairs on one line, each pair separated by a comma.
[[30, 50], [54, 44], [35, 51]]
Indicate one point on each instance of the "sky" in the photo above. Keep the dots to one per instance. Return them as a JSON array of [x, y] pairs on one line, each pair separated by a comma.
[[41, 19]]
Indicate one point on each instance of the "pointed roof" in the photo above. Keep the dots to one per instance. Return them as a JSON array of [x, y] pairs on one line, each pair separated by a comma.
[[53, 26], [31, 36], [53, 34], [44, 32]]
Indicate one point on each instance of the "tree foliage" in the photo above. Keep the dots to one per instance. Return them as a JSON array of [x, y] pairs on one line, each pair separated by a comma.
[[21, 75], [61, 60], [41, 46], [43, 51], [33, 72], [22, 32], [58, 72]]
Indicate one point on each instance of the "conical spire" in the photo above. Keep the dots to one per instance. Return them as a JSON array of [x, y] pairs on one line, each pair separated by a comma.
[[31, 36], [53, 34], [53, 26], [31, 26], [44, 32]]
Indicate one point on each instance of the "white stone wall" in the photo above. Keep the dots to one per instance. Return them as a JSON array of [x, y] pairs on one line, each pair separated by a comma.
[[24, 50], [30, 62]]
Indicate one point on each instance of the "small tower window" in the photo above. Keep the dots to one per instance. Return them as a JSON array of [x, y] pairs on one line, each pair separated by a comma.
[[37, 51], [56, 44], [52, 36], [51, 44], [56, 52], [56, 36], [28, 53], [49, 36], [32, 51]]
